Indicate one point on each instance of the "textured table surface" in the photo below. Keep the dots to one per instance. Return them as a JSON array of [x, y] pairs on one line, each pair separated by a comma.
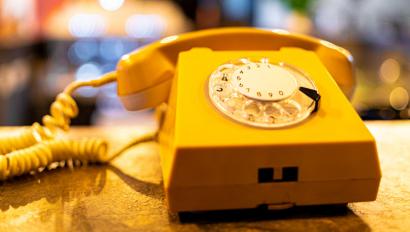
[[128, 195]]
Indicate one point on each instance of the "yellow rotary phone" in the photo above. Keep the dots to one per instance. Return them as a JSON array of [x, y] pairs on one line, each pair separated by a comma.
[[253, 117]]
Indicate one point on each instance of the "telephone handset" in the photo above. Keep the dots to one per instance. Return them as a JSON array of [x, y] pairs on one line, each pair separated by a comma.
[[144, 76], [242, 119]]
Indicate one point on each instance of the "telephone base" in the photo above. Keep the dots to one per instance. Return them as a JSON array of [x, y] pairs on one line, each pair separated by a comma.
[[210, 162]]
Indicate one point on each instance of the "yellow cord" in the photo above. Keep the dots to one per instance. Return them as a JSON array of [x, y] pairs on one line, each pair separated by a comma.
[[37, 147]]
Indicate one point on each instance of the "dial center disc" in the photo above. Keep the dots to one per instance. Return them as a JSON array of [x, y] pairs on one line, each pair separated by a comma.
[[264, 81]]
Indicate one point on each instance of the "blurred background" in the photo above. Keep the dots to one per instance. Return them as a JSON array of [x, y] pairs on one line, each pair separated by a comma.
[[44, 45]]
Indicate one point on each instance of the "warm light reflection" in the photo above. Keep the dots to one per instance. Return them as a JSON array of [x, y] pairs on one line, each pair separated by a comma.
[[399, 98], [169, 39], [339, 49], [280, 31], [389, 71]]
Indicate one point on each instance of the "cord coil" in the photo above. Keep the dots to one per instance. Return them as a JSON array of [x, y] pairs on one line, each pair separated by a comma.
[[62, 110], [36, 147], [24, 138], [42, 154]]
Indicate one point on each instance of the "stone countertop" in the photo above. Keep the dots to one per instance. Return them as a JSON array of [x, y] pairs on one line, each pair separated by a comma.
[[128, 196]]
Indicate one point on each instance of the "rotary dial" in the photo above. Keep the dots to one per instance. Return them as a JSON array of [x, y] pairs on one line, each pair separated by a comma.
[[264, 94]]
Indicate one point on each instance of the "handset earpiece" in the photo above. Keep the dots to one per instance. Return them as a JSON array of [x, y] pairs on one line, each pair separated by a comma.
[[144, 78]]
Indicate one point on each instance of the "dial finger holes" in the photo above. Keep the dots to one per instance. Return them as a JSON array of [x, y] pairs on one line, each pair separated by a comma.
[[291, 107], [272, 110], [253, 108], [234, 102]]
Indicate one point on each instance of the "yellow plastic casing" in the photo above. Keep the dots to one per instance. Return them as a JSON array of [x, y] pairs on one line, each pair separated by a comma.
[[211, 162], [144, 76]]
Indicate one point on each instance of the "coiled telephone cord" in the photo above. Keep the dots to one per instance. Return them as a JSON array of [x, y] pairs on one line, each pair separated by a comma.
[[37, 147]]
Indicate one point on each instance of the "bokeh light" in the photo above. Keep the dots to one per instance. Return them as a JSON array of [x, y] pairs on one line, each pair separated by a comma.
[[87, 71], [399, 98], [82, 51], [389, 71], [111, 49], [86, 25], [145, 26], [111, 5], [271, 14]]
